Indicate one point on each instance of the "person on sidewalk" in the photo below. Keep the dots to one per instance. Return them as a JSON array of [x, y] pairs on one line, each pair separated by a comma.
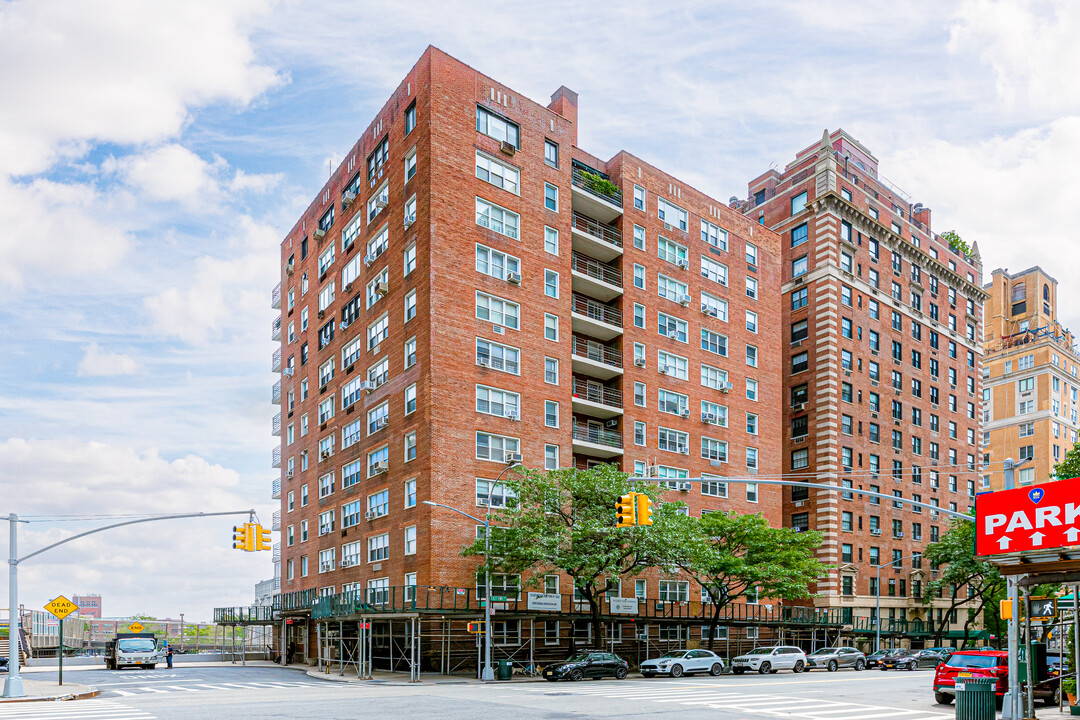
[[168, 655]]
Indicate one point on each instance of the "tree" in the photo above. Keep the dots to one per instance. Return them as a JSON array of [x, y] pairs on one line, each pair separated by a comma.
[[1069, 467], [966, 578], [730, 555], [564, 520]]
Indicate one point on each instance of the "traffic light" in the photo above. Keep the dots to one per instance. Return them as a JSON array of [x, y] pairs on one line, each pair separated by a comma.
[[1005, 609], [625, 512], [243, 537], [644, 509], [475, 627], [262, 538]]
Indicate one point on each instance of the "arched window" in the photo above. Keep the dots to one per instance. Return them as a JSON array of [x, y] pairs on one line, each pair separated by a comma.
[[1046, 293]]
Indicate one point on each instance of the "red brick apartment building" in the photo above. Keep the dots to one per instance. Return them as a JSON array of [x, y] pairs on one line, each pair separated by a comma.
[[882, 329], [471, 288]]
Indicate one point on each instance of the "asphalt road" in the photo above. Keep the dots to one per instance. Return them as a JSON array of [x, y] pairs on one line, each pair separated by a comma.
[[266, 693]]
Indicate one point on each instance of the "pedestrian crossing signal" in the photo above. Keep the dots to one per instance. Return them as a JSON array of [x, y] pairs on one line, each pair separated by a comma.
[[475, 627], [625, 511], [244, 537]]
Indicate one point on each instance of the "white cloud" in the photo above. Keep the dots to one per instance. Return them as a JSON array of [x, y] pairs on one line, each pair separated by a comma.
[[156, 567], [98, 362], [171, 172]]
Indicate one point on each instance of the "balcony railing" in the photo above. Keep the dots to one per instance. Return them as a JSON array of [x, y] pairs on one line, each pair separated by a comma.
[[276, 427], [275, 457], [597, 229], [595, 269], [275, 489], [598, 436], [276, 554], [276, 522], [295, 600], [593, 350], [275, 393], [275, 297], [597, 393], [596, 185], [596, 310], [255, 614], [275, 329], [275, 361]]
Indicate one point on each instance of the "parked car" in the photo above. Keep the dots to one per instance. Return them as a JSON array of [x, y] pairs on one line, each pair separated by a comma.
[[3, 664], [986, 663], [874, 659], [683, 662], [930, 657], [590, 664], [770, 660], [832, 659], [899, 658]]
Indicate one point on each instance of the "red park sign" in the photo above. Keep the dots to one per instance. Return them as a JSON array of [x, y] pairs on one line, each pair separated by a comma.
[[1028, 519]]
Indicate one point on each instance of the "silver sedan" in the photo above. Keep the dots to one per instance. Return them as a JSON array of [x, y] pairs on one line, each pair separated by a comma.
[[832, 659]]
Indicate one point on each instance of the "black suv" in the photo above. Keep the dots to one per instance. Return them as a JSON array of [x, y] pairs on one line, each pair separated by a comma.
[[592, 664]]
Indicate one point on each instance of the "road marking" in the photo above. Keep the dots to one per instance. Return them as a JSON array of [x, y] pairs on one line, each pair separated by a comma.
[[73, 710], [143, 682]]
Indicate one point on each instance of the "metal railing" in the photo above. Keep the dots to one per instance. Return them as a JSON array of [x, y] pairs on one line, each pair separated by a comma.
[[595, 185], [275, 428], [597, 229], [595, 269], [275, 329], [244, 615], [275, 360], [596, 310], [295, 600], [598, 436], [596, 351], [275, 489], [276, 556], [275, 297], [275, 523], [597, 393], [275, 457], [275, 393]]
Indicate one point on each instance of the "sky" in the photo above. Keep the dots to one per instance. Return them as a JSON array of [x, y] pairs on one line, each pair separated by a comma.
[[153, 155]]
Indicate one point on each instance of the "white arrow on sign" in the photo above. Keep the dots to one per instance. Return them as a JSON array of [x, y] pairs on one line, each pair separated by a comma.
[[1003, 542], [1037, 538], [1072, 534]]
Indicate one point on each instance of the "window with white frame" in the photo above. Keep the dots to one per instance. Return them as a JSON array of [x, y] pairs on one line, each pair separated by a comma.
[[326, 410], [671, 251], [673, 440], [714, 235], [551, 240], [326, 296], [497, 310], [714, 342], [378, 417], [378, 201], [494, 263], [501, 403], [378, 548], [378, 286], [379, 373], [326, 522], [672, 214], [351, 232], [378, 331], [352, 434], [551, 457], [551, 371], [551, 414], [497, 173], [714, 413], [717, 272], [674, 591], [551, 327], [639, 197], [326, 560], [714, 306], [497, 218], [410, 540], [495, 447], [410, 493], [551, 283], [671, 289], [410, 399], [410, 165], [712, 449], [326, 259], [672, 402], [713, 486], [671, 327], [713, 378], [378, 459], [498, 357]]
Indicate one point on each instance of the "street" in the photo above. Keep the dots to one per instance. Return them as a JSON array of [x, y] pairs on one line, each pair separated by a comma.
[[205, 693]]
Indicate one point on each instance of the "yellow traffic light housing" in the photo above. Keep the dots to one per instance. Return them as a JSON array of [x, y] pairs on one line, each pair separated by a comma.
[[644, 509], [1005, 609], [243, 537], [262, 538], [625, 511], [475, 627]]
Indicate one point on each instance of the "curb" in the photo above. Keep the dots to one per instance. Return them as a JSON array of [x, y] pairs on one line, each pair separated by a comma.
[[91, 692]]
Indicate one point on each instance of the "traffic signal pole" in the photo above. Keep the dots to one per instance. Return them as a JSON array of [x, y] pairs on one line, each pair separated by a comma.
[[13, 684]]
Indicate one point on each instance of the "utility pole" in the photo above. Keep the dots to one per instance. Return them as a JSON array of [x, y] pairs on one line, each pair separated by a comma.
[[181, 632], [1010, 707]]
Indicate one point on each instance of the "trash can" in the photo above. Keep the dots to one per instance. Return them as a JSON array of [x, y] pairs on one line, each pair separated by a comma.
[[975, 699], [504, 670]]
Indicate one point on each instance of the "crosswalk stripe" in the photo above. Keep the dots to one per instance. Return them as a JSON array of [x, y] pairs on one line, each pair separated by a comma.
[[74, 710]]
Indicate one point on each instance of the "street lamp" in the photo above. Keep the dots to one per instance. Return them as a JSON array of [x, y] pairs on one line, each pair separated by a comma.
[[1012, 700], [488, 673], [877, 592]]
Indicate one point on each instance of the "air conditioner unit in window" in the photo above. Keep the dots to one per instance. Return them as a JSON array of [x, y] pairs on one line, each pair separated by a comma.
[[326, 567], [708, 310], [612, 423], [686, 412], [367, 385], [409, 222], [662, 370], [514, 278], [639, 362], [381, 288], [875, 532], [380, 423], [798, 406], [370, 258], [381, 204], [379, 467], [512, 415], [683, 263], [348, 287], [345, 563], [290, 269], [508, 148], [483, 362], [322, 314], [344, 325], [319, 234], [370, 515], [725, 388], [483, 502], [287, 372], [900, 535], [511, 457], [710, 418], [324, 455], [347, 198], [684, 300], [288, 474], [686, 487], [667, 226]]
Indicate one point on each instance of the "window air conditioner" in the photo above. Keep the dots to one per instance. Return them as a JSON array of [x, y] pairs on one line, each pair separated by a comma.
[[612, 423], [348, 287], [324, 455], [344, 325], [326, 567], [685, 486], [511, 457], [380, 423], [367, 385], [379, 467], [662, 370], [512, 415], [409, 222], [319, 234], [381, 204], [686, 412], [708, 310], [709, 418], [508, 148], [483, 502], [798, 406], [639, 362], [370, 258], [684, 300], [347, 198], [483, 362], [322, 314], [287, 372], [514, 278], [876, 532], [345, 563], [370, 515], [683, 263], [381, 288], [289, 475], [725, 388]]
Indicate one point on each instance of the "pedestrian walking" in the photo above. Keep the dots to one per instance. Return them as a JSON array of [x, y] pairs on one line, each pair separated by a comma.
[[168, 655]]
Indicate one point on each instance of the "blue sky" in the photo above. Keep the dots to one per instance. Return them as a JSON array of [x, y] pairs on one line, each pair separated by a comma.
[[152, 155]]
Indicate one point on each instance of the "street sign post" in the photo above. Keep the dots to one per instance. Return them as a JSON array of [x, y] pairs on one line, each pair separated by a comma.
[[61, 607], [1028, 519]]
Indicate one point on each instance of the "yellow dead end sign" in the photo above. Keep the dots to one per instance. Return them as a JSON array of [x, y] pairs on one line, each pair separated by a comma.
[[61, 607], [136, 627]]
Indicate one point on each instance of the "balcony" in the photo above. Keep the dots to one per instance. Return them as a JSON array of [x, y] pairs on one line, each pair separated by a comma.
[[275, 393], [275, 457], [591, 317], [275, 489], [275, 361], [275, 297], [275, 523], [275, 329], [594, 440], [595, 278], [595, 359], [276, 427], [595, 195], [594, 238], [596, 399], [276, 553]]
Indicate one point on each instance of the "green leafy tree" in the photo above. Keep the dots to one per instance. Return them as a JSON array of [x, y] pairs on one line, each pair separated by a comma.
[[1069, 467], [564, 521], [730, 554], [963, 579]]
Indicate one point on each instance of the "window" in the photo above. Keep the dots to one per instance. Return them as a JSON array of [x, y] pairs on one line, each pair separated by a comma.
[[713, 413], [751, 321], [551, 197], [673, 402], [410, 493], [551, 240], [410, 305], [495, 447], [378, 331], [800, 362], [551, 457], [751, 389], [714, 271], [551, 327], [497, 127], [713, 342], [671, 327], [714, 306], [378, 201], [551, 283], [714, 235], [493, 494], [673, 440], [497, 218], [377, 418], [799, 298], [379, 548], [714, 449], [798, 267], [377, 461], [799, 235], [501, 403], [551, 414], [551, 371], [672, 214], [639, 198], [410, 446], [674, 591], [799, 331], [551, 153], [671, 289], [639, 315], [671, 251], [498, 174], [410, 540], [498, 357], [798, 203], [751, 355], [497, 310], [751, 287]]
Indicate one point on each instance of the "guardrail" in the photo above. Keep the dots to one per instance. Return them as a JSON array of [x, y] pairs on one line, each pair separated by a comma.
[[599, 436], [597, 229], [596, 310], [596, 185], [597, 393], [599, 352], [595, 269]]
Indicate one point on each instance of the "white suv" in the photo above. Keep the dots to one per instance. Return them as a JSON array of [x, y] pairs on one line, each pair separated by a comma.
[[770, 660]]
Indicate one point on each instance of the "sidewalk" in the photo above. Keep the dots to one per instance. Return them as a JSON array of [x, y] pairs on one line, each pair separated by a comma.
[[43, 690], [388, 678], [161, 666]]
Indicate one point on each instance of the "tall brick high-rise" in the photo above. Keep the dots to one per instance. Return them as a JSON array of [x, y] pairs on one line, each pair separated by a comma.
[[882, 322], [470, 288]]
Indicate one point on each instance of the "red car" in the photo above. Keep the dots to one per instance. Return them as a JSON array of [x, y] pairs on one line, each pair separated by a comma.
[[984, 663]]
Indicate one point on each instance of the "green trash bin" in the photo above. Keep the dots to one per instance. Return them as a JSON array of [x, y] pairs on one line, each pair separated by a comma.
[[975, 699], [504, 670]]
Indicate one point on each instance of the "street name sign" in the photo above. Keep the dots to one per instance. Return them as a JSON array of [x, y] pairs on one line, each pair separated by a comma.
[[61, 607], [1028, 519]]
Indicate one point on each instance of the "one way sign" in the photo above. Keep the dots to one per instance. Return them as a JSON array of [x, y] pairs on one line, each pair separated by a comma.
[[1024, 519]]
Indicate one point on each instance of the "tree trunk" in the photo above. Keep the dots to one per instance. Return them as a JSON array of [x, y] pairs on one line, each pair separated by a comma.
[[713, 623]]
